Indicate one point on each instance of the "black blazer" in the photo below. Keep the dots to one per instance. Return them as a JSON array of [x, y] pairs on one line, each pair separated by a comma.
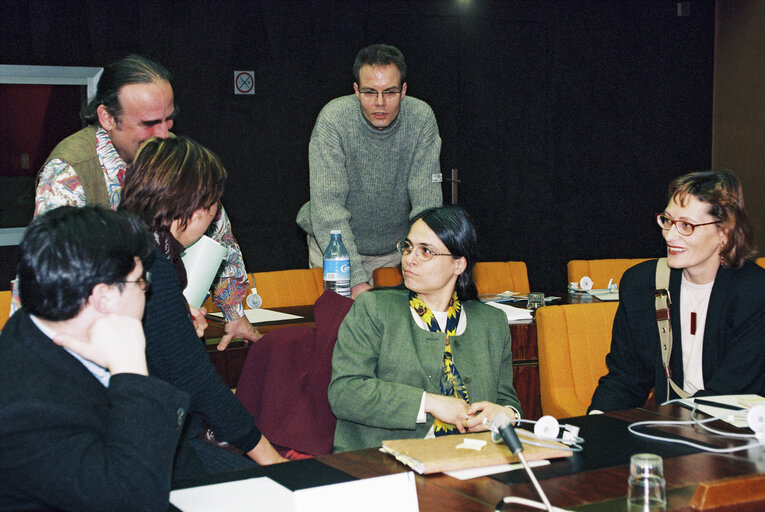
[[733, 357], [67, 442]]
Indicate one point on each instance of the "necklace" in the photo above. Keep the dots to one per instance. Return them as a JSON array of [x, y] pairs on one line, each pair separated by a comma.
[[693, 297]]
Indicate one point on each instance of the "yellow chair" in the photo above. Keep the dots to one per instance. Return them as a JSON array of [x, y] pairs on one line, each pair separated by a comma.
[[600, 271], [281, 288], [489, 276], [499, 276], [387, 276], [761, 262], [295, 287], [573, 341], [5, 307]]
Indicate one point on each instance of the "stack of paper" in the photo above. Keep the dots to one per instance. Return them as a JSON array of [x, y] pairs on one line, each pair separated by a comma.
[[463, 451], [513, 314]]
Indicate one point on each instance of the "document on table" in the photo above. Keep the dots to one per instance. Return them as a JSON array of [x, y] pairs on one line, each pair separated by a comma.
[[261, 316], [733, 410], [512, 313], [379, 494], [605, 294]]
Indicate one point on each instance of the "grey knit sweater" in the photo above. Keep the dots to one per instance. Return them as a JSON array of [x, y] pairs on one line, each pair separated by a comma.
[[367, 182]]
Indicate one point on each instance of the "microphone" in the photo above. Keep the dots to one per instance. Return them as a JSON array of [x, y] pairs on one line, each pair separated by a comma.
[[501, 424]]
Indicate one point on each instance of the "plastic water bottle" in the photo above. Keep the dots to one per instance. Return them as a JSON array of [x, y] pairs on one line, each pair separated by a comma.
[[337, 266]]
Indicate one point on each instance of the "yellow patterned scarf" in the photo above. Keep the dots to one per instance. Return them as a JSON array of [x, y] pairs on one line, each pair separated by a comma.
[[451, 382]]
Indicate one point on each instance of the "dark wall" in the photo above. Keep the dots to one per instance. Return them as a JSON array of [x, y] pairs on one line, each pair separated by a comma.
[[566, 120]]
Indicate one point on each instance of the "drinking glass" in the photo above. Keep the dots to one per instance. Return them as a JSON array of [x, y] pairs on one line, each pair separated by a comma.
[[536, 300], [646, 485]]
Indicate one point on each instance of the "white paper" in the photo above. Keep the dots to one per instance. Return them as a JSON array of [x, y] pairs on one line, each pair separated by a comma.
[[202, 261], [260, 316], [467, 474], [512, 313], [735, 418], [239, 496], [605, 294], [396, 492], [380, 494]]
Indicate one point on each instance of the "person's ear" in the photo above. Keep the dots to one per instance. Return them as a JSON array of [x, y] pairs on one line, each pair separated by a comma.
[[108, 122], [460, 266], [403, 90], [102, 298], [356, 90]]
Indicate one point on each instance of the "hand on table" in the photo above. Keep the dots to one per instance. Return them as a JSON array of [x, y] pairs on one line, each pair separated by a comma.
[[447, 409], [239, 328], [482, 414], [265, 454]]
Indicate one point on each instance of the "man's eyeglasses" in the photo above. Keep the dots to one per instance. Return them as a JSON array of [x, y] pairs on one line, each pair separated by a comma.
[[683, 227], [421, 251], [369, 94], [144, 282]]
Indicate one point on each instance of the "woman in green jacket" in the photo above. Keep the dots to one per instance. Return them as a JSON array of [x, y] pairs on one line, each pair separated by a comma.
[[428, 359]]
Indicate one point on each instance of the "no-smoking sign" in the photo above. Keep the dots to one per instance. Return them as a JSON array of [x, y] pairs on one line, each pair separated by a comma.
[[244, 82]]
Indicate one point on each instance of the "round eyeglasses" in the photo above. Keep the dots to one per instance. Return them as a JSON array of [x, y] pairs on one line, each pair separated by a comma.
[[422, 252], [683, 227], [144, 282]]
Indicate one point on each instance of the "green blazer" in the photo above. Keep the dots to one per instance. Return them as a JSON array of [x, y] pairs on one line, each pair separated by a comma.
[[383, 361]]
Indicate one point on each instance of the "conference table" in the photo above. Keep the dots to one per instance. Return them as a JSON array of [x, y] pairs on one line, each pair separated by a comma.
[[524, 348], [593, 480]]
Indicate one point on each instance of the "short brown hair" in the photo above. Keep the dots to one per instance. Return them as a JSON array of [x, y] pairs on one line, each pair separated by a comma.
[[722, 191], [170, 179]]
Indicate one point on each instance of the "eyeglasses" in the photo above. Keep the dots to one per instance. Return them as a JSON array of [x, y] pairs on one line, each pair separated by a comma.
[[371, 95], [683, 227], [144, 282], [422, 252]]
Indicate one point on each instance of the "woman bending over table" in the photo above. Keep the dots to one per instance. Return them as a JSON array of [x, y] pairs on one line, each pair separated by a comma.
[[428, 359], [717, 303]]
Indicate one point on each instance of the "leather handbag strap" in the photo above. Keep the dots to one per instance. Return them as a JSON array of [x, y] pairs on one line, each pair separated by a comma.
[[662, 301]]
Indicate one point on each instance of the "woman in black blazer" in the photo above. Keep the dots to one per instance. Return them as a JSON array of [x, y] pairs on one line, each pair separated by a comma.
[[717, 303]]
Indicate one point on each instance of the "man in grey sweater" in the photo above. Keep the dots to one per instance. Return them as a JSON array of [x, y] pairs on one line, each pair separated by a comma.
[[372, 160]]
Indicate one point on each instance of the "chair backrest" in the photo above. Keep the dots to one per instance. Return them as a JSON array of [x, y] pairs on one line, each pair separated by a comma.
[[761, 262], [573, 341], [489, 277], [600, 271], [5, 307], [500, 276], [387, 276], [295, 287], [285, 377]]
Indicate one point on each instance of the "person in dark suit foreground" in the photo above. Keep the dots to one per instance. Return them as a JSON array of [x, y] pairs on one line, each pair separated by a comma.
[[82, 424], [717, 304]]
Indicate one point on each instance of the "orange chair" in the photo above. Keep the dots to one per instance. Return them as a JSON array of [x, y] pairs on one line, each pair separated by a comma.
[[489, 276], [761, 262], [280, 288], [600, 271], [387, 276], [5, 307], [500, 276], [295, 287], [573, 341]]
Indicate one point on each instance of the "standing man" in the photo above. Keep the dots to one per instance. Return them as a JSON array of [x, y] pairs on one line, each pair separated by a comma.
[[134, 101], [82, 424], [372, 160]]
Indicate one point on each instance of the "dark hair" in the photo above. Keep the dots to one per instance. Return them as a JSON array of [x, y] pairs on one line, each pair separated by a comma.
[[379, 55], [170, 179], [723, 192], [454, 227], [133, 69], [67, 251]]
